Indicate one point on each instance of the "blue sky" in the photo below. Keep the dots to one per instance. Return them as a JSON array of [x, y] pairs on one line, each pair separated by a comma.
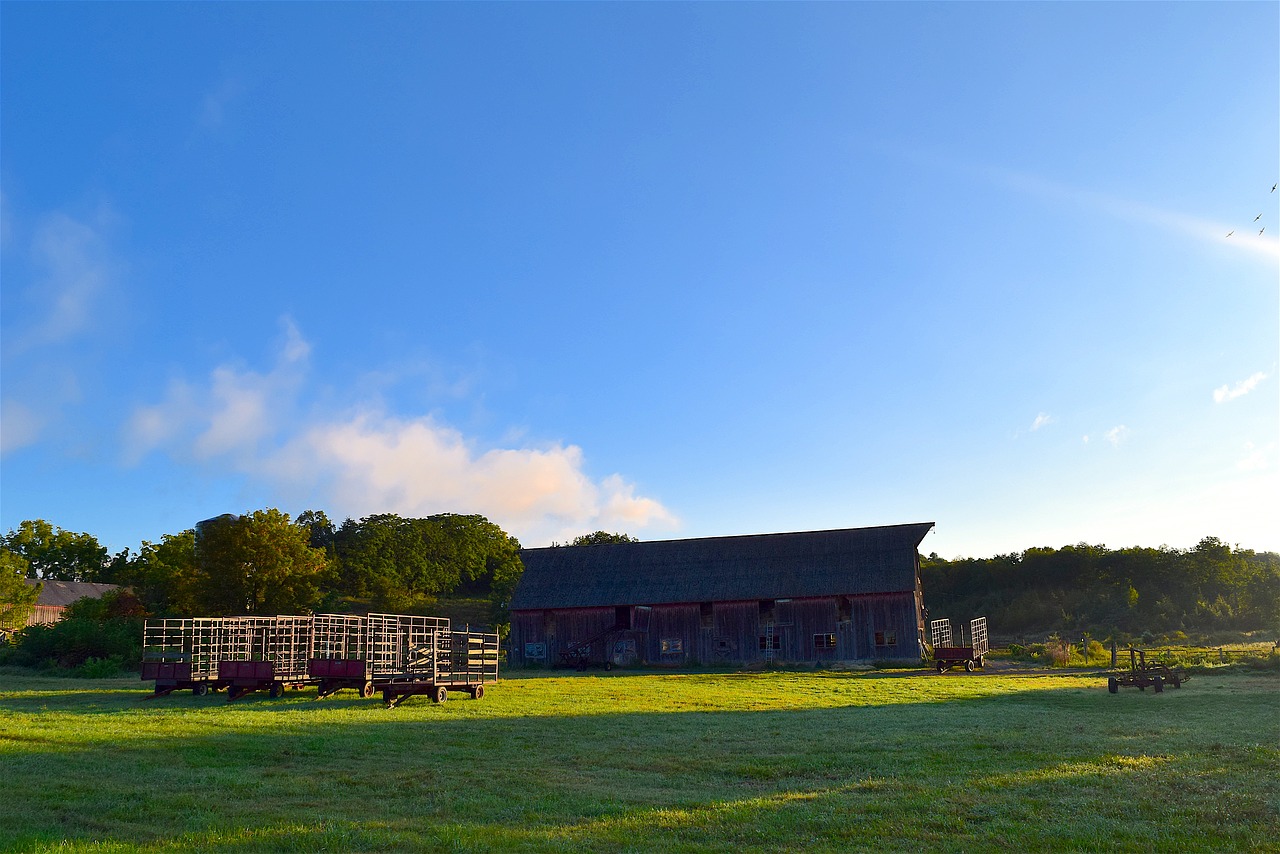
[[677, 270]]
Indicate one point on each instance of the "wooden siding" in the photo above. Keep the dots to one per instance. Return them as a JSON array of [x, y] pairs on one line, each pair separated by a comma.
[[732, 632]]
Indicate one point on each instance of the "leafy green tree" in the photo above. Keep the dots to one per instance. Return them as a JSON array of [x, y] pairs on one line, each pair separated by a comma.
[[600, 538], [54, 553], [164, 575], [17, 597], [320, 529], [397, 563], [261, 563]]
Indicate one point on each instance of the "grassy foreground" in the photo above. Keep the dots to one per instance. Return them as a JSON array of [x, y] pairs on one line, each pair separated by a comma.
[[911, 761]]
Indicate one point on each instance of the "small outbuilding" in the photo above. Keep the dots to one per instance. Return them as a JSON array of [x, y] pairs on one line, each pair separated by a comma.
[[817, 596], [56, 595]]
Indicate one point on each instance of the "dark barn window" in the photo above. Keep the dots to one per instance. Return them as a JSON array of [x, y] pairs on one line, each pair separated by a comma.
[[774, 642], [886, 638], [707, 614], [766, 609], [824, 641], [622, 616]]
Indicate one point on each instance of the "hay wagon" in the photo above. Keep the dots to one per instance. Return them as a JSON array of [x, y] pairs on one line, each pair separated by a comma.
[[947, 654], [179, 654], [396, 654], [1143, 674]]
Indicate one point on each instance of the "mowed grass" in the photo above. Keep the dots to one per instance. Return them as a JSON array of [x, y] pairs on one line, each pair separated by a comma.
[[899, 761]]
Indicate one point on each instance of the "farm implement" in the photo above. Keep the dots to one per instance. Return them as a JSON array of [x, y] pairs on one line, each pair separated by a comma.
[[1143, 674], [946, 654], [395, 654]]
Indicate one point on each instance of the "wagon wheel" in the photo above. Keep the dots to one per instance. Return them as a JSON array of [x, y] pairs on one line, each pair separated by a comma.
[[1175, 681], [366, 690], [200, 689], [1112, 685], [1158, 684], [277, 690], [440, 694], [981, 662], [477, 692], [968, 666], [942, 666]]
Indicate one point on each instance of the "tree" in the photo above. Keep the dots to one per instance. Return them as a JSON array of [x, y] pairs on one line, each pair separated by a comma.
[[257, 564], [17, 597], [397, 563], [600, 538], [319, 528], [164, 575], [54, 553]]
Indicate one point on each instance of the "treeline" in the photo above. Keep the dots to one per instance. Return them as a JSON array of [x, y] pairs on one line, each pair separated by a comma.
[[266, 563], [1127, 592]]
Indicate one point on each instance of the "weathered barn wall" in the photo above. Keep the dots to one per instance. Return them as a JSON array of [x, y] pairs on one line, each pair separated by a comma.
[[839, 628]]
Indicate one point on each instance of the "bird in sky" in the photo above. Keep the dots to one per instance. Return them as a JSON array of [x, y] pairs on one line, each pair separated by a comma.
[[1231, 232], [1264, 228], [1258, 217], [1273, 187]]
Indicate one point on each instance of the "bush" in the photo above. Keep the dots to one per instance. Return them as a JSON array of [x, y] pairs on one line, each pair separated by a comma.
[[103, 629], [101, 668]]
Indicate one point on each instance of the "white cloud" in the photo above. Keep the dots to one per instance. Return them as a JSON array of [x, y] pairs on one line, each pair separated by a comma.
[[367, 460], [19, 426], [75, 259], [213, 109], [1117, 434], [1255, 459], [1224, 393], [1042, 420]]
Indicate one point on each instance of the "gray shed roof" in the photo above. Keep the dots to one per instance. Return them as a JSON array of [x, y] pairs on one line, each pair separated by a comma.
[[850, 561], [63, 593]]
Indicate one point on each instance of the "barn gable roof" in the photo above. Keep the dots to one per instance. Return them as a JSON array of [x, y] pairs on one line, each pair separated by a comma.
[[718, 569], [59, 594]]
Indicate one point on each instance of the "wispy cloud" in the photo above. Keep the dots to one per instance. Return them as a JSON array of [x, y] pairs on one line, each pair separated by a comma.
[[368, 460], [1042, 420], [1205, 230], [19, 426], [61, 278], [77, 268], [213, 109], [1117, 434], [1224, 393], [1255, 458]]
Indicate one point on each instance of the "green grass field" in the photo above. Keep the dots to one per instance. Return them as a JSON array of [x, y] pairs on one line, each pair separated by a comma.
[[1014, 760]]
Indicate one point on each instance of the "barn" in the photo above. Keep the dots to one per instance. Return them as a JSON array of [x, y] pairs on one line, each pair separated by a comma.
[[56, 595], [842, 595]]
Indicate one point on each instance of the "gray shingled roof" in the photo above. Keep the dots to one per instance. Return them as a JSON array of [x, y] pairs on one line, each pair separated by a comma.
[[722, 569], [63, 593]]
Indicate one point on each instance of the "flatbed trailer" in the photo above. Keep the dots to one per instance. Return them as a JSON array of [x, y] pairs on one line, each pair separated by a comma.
[[947, 655], [1143, 674]]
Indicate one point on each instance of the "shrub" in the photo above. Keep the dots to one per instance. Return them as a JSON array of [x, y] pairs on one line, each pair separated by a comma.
[[103, 629]]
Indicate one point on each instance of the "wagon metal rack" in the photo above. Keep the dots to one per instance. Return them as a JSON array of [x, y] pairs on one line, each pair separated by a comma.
[[971, 655], [1143, 673], [263, 654], [396, 654], [444, 661], [340, 655], [179, 654]]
